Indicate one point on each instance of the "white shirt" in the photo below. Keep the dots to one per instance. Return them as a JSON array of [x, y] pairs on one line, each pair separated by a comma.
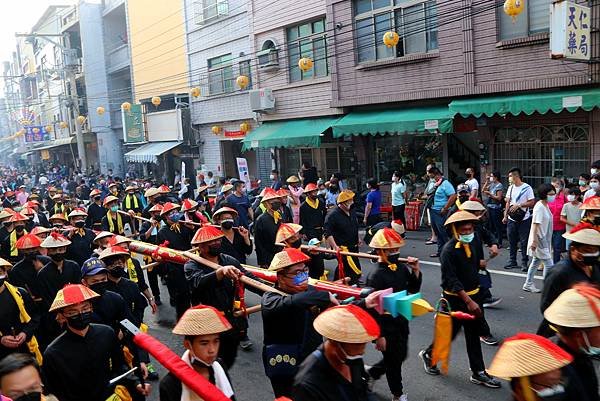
[[43, 180], [543, 217], [520, 194], [472, 184], [589, 193]]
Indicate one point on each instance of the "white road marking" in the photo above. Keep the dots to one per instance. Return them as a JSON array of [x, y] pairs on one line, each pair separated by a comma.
[[500, 272]]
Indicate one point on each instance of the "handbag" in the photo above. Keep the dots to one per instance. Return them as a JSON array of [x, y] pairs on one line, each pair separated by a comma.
[[519, 214], [281, 360]]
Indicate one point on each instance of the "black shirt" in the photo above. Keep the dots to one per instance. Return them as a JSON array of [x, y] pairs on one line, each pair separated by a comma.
[[79, 368], [265, 232], [81, 247], [584, 369], [110, 308], [95, 214], [562, 277], [135, 301], [237, 249], [24, 274], [51, 280], [124, 220], [458, 271], [139, 274], [177, 240], [312, 220], [10, 322], [343, 227], [132, 199]]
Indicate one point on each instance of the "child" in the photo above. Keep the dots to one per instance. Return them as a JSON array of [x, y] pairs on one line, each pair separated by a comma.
[[570, 214]]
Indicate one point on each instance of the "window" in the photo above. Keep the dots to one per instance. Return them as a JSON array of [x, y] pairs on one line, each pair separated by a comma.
[[534, 19], [268, 57], [414, 21], [220, 75], [307, 40], [245, 69], [205, 10]]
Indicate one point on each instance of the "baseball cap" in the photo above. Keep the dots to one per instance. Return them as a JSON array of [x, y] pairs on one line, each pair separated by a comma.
[[92, 266]]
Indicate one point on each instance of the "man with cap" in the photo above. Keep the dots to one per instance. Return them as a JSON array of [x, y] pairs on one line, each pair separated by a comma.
[[341, 233], [95, 211], [39, 218], [58, 221], [19, 319], [236, 240], [537, 369], [82, 239], [202, 327], [591, 211], [336, 371], [59, 206], [24, 273], [287, 319], [9, 200], [581, 266], [219, 288], [132, 203], [8, 246], [48, 199], [79, 364], [266, 226], [575, 315], [101, 241], [179, 237], [239, 201], [390, 273], [460, 263], [114, 221], [312, 213]]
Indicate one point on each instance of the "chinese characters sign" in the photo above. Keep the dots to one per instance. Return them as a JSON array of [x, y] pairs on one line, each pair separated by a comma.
[[35, 133], [570, 31], [133, 127]]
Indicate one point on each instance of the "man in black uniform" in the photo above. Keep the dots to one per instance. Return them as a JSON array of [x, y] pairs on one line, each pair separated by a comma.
[[152, 195], [265, 228], [82, 239], [148, 233], [312, 213], [236, 241], [132, 204], [179, 238], [288, 235], [114, 221], [24, 273], [287, 319], [8, 246], [341, 232], [461, 260], [95, 211]]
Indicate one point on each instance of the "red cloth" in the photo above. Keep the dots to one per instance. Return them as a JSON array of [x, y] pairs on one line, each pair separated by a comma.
[[555, 209]]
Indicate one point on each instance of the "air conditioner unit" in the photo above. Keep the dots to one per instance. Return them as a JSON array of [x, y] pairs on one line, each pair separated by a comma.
[[262, 100]]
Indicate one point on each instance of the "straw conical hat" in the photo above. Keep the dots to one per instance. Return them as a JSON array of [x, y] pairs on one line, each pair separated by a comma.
[[113, 251], [225, 209], [270, 194], [72, 294], [286, 231], [344, 196], [188, 204], [109, 199], [578, 307], [156, 208], [347, 324], [167, 207], [386, 238], [27, 211], [206, 234], [55, 240], [283, 193], [592, 203], [461, 215], [226, 187], [77, 213], [28, 241], [150, 192], [95, 192], [37, 230], [17, 217], [472, 206], [527, 355], [286, 258], [310, 187], [119, 239], [163, 189], [58, 216], [103, 234], [292, 179], [6, 212], [131, 188], [201, 320], [5, 263], [584, 233], [398, 226]]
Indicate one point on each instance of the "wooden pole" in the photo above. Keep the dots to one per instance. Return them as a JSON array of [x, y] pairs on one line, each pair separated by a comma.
[[345, 253]]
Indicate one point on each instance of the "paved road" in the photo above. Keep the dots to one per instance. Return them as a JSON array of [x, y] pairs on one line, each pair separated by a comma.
[[518, 312]]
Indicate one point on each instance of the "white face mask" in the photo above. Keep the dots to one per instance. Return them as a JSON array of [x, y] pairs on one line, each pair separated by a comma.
[[272, 177], [570, 198], [593, 171], [594, 185], [491, 179]]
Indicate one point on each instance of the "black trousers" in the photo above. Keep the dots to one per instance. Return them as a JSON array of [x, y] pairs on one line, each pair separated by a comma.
[[282, 386], [230, 340], [398, 213], [179, 295], [348, 271], [472, 331], [153, 279], [391, 364]]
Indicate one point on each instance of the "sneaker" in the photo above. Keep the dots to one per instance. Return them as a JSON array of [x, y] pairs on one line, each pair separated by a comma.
[[152, 373], [524, 269], [370, 379], [489, 340], [403, 397], [484, 379], [489, 303], [246, 344], [510, 266], [429, 369], [434, 255], [531, 288]]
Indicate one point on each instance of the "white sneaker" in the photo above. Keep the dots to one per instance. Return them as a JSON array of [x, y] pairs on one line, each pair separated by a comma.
[[403, 397], [531, 288]]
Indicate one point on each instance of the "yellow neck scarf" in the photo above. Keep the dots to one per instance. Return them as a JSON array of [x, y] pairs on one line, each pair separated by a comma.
[[275, 214], [312, 203], [13, 242], [176, 227], [131, 270], [459, 244], [128, 202], [25, 318], [60, 210], [111, 225]]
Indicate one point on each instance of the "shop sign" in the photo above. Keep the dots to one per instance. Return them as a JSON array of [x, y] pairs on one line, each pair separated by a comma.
[[572, 101], [234, 134], [431, 125], [570, 26], [133, 126], [39, 135], [242, 165]]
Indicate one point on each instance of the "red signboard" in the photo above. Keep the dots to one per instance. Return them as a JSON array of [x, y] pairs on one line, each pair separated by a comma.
[[234, 134]]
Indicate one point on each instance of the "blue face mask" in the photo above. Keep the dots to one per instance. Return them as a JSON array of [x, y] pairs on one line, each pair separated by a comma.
[[551, 198], [175, 217], [589, 349], [300, 278], [114, 208], [466, 238]]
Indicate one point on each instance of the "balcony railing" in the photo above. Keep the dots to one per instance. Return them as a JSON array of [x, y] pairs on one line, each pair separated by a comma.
[[118, 58], [116, 120]]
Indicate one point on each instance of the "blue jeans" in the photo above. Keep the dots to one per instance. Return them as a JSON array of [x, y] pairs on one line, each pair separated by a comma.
[[558, 244], [437, 223], [518, 233], [535, 263]]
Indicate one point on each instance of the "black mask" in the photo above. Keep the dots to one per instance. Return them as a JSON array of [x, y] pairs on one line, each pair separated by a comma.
[[20, 229], [276, 205], [57, 226], [393, 258], [34, 396], [214, 250], [117, 272], [30, 257], [6, 224], [99, 287], [57, 257], [227, 224], [597, 221], [463, 198], [96, 199], [80, 321], [80, 224], [2, 280], [296, 244]]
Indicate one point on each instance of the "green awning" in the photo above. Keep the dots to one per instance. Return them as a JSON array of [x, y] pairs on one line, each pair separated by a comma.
[[400, 121], [287, 134], [571, 100]]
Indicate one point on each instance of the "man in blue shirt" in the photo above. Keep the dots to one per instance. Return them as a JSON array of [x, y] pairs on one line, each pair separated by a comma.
[[240, 202], [444, 197]]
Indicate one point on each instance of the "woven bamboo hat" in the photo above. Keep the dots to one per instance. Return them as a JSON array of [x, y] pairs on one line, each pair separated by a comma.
[[201, 320], [112, 184], [58, 216], [226, 187], [292, 179], [37, 230], [109, 199], [72, 294], [286, 258], [269, 194], [578, 307], [287, 231], [17, 217], [311, 187], [77, 213], [461, 215], [27, 211], [131, 188], [119, 239], [156, 208], [386, 238], [6, 213], [164, 189], [584, 233], [398, 226], [188, 204], [150, 192], [206, 234], [225, 209], [167, 207], [283, 193], [28, 241], [95, 192], [55, 240], [592, 203], [472, 206], [203, 188], [347, 324], [103, 234], [527, 355], [113, 251], [344, 196], [33, 197], [5, 263]]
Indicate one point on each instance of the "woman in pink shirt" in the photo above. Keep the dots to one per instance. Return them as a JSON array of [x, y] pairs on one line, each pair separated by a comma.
[[296, 192], [558, 227]]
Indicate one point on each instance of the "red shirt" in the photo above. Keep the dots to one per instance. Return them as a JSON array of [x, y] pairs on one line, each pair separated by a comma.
[[555, 209]]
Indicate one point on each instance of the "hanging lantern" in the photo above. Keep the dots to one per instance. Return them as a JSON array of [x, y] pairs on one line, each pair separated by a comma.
[[100, 110], [244, 127], [25, 122], [63, 124], [156, 100], [126, 106], [48, 128], [80, 120], [391, 38], [305, 64], [512, 8], [216, 129], [242, 81], [195, 92], [36, 130]]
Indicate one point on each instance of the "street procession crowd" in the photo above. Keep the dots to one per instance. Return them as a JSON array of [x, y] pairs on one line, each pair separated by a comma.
[[82, 257]]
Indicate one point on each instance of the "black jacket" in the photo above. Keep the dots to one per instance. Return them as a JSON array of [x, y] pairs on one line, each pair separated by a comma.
[[10, 322], [95, 214], [458, 271], [265, 231]]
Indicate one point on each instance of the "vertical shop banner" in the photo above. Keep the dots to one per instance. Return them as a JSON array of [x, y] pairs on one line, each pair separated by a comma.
[[133, 125], [36, 133], [242, 165], [182, 172], [570, 28]]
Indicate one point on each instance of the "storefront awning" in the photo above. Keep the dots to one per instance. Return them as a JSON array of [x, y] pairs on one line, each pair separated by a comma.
[[287, 134], [57, 142], [400, 121], [149, 152], [542, 103]]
